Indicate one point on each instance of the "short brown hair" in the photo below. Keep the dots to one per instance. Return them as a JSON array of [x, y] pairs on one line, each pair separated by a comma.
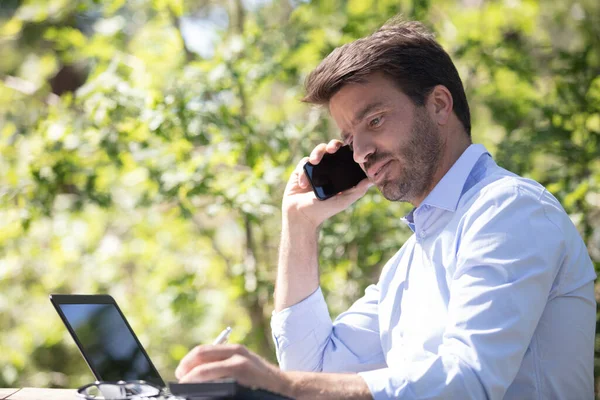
[[406, 52]]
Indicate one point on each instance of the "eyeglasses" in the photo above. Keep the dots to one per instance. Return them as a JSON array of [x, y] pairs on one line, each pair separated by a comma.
[[121, 390]]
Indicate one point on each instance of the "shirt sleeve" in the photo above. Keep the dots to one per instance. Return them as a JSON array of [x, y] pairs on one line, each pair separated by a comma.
[[307, 340], [508, 255]]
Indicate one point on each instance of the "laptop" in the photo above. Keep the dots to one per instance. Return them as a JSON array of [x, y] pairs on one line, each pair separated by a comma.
[[105, 338], [113, 352]]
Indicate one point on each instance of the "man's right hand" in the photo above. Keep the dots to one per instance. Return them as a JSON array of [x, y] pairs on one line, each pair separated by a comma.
[[301, 206]]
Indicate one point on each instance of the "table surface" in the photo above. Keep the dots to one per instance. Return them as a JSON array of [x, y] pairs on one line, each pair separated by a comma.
[[37, 394]]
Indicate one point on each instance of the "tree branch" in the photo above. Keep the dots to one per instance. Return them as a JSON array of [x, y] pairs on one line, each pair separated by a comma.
[[176, 21]]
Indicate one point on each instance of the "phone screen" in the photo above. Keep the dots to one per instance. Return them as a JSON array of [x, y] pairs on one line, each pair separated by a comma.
[[335, 173]]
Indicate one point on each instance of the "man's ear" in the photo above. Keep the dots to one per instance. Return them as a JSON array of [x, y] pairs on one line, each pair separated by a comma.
[[440, 104]]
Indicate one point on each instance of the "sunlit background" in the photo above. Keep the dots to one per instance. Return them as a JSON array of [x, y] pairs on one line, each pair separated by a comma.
[[145, 144]]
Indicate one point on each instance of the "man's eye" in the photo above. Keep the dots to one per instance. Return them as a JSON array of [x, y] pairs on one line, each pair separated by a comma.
[[375, 122]]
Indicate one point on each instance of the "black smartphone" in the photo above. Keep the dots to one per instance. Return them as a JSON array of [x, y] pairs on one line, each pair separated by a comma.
[[335, 173]]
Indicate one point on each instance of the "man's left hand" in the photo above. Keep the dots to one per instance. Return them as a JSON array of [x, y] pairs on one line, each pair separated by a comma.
[[210, 362]]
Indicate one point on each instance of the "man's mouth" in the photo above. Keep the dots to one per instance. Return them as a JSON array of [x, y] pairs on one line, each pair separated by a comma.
[[375, 172]]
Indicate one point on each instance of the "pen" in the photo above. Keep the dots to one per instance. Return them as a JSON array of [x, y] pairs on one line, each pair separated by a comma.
[[222, 338]]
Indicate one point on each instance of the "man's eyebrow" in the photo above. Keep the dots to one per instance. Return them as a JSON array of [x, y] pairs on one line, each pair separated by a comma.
[[361, 114], [366, 110]]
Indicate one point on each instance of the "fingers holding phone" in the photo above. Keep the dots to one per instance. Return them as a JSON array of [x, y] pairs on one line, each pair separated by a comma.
[[324, 148], [315, 157], [334, 173], [328, 173], [299, 181]]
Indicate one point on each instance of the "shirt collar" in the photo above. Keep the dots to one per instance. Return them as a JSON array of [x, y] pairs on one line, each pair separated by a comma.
[[448, 190]]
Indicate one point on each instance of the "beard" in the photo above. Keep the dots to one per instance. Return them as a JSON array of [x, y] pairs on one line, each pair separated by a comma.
[[414, 164]]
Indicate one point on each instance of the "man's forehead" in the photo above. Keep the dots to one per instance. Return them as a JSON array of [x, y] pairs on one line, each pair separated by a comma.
[[354, 105], [354, 93]]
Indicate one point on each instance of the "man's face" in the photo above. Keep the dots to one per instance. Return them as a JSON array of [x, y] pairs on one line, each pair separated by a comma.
[[396, 143]]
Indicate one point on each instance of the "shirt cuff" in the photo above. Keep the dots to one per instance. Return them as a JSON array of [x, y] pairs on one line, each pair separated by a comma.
[[303, 326], [297, 321], [384, 384]]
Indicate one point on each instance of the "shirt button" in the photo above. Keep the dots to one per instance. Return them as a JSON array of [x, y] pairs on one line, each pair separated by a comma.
[[422, 234]]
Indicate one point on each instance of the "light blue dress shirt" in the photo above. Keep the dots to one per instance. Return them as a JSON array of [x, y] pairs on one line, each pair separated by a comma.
[[491, 298]]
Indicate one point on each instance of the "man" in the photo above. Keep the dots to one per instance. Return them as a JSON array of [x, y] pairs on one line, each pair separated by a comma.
[[491, 298]]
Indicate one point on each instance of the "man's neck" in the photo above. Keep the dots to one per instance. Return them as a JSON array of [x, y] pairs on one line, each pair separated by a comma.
[[455, 145]]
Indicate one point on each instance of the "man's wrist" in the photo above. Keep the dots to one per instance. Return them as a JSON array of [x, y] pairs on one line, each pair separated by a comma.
[[298, 230], [310, 385], [298, 222], [288, 386]]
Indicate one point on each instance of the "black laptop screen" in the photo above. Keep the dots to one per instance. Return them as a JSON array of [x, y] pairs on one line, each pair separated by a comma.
[[110, 347]]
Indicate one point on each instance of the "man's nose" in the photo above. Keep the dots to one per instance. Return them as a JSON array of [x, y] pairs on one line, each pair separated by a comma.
[[363, 148]]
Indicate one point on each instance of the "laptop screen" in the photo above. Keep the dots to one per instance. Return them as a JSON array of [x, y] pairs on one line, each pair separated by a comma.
[[110, 347]]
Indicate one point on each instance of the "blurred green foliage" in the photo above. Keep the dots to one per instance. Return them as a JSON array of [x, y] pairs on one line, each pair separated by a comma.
[[135, 164]]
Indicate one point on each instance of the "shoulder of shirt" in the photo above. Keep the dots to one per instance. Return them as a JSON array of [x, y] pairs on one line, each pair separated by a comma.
[[501, 183], [506, 188], [522, 201]]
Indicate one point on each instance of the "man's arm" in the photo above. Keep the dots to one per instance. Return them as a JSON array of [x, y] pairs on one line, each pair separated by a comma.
[[298, 271], [302, 329], [208, 362]]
